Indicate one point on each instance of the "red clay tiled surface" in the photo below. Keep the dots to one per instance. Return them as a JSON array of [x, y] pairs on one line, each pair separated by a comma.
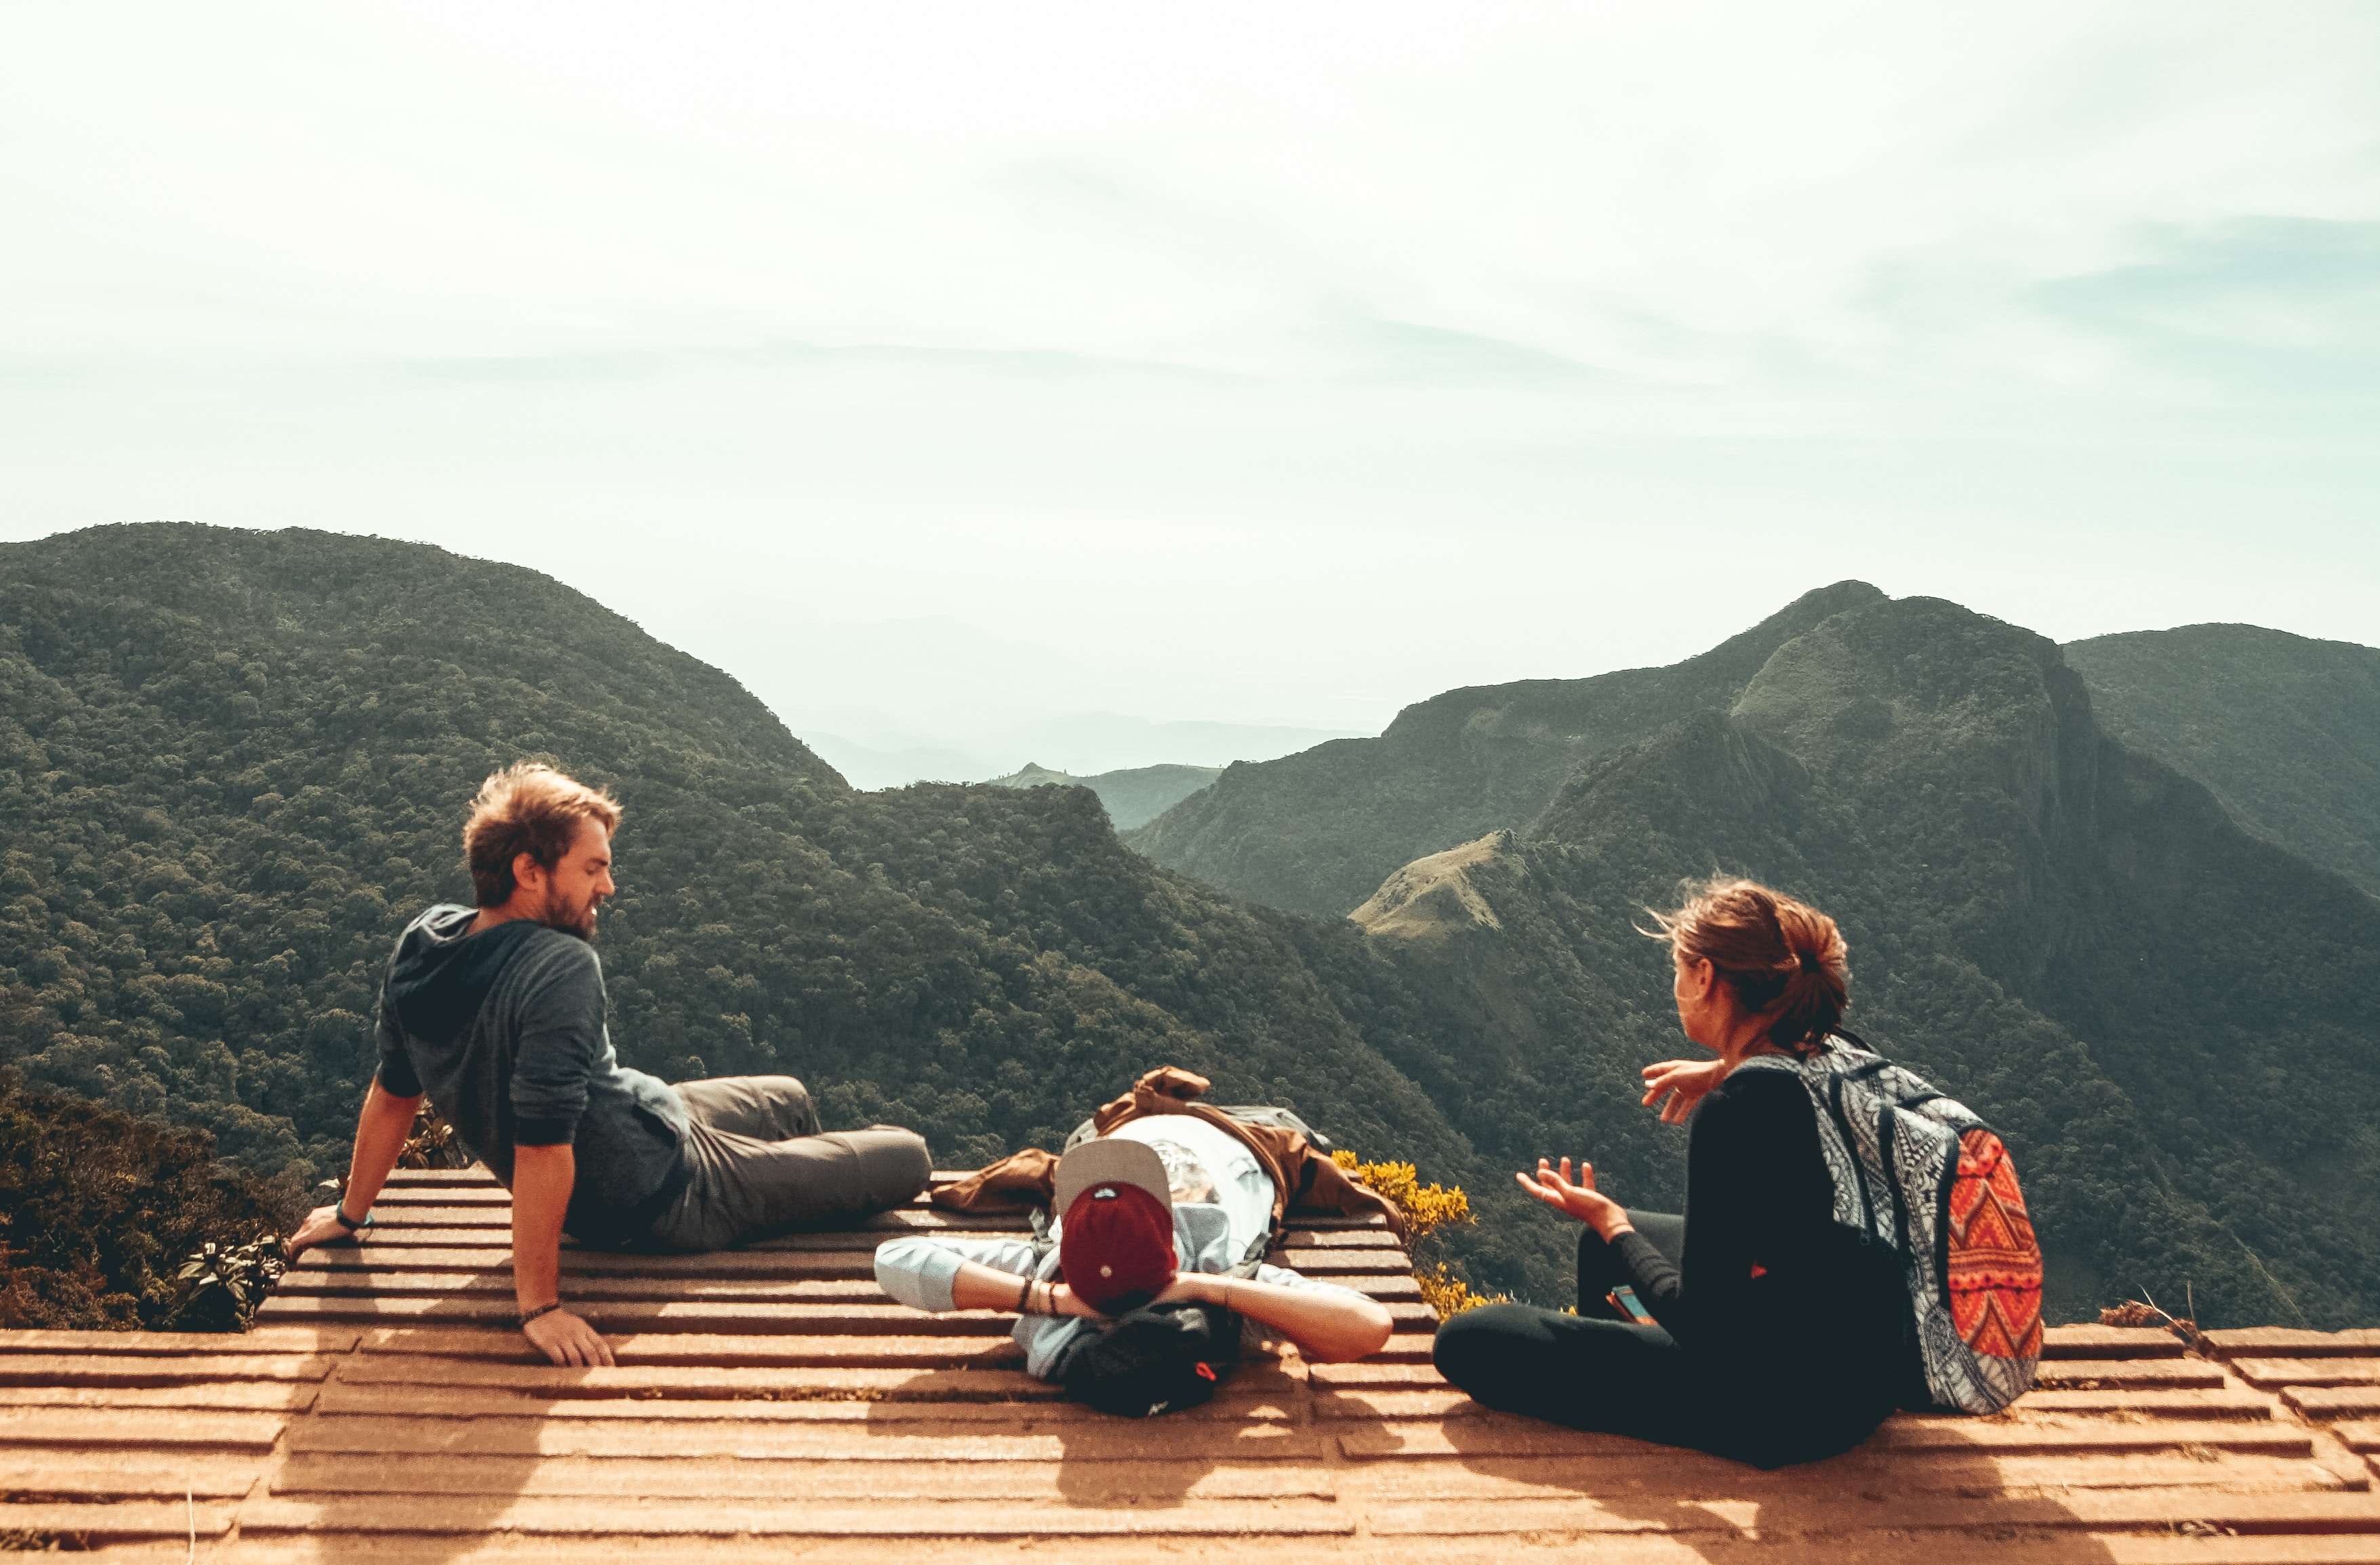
[[769, 1405]]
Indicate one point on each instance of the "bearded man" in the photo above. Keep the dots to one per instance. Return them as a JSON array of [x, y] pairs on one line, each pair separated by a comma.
[[496, 1013]]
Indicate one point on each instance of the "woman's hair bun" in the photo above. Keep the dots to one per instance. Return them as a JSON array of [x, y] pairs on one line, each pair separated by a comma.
[[1784, 959]]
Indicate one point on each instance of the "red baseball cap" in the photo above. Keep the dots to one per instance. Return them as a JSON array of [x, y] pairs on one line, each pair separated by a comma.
[[1115, 1241]]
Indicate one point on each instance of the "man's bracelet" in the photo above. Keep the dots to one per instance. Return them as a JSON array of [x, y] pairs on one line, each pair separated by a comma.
[[353, 1225], [527, 1316]]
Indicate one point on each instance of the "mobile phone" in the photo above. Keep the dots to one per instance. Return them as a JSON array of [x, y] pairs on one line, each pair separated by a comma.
[[1623, 1299]]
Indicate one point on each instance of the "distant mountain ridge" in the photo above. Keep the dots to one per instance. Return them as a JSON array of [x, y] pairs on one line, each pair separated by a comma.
[[1133, 797], [1317, 832], [231, 764], [2068, 934], [2285, 729]]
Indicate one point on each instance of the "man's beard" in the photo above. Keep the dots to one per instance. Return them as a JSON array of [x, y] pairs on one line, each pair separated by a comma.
[[578, 921]]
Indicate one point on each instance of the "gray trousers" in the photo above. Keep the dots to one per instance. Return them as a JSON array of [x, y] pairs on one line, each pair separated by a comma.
[[759, 1164]]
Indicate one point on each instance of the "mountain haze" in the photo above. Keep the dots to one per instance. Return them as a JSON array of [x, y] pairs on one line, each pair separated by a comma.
[[2285, 729], [1133, 797]]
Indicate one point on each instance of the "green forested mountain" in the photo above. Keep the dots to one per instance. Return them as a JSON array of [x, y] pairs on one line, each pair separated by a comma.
[[233, 764], [1317, 832], [2166, 1015], [2285, 729], [1134, 796]]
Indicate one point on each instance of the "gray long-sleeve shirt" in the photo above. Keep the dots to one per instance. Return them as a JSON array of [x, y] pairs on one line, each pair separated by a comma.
[[504, 1031]]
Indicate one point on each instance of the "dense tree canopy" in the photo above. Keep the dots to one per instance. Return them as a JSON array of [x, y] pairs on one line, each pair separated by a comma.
[[98, 1209], [2286, 730], [2163, 1013], [232, 765]]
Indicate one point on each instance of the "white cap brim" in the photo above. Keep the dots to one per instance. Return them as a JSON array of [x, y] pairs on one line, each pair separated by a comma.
[[1111, 1161]]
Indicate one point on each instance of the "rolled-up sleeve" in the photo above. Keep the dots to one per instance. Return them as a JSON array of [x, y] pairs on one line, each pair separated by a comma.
[[920, 1272], [561, 1040], [1281, 1277]]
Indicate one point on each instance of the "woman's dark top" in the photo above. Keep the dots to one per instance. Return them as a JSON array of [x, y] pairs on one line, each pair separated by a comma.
[[1770, 1284]]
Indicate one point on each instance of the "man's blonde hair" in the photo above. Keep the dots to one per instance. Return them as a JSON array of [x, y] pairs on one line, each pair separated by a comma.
[[529, 807]]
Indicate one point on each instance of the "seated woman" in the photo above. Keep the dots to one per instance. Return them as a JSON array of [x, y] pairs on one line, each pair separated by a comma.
[[1782, 1336], [1152, 1212]]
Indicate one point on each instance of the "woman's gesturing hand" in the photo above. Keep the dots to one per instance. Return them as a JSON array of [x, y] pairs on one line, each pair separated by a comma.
[[1582, 1200], [1682, 1082]]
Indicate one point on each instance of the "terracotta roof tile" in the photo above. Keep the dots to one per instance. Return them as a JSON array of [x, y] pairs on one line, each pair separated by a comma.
[[767, 1400]]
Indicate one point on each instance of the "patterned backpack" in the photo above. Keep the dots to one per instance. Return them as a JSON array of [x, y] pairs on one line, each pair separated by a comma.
[[1919, 1172]]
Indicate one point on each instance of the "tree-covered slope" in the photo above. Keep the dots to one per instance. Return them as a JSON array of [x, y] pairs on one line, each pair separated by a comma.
[[2163, 1013], [2286, 730], [98, 1208], [232, 765], [1315, 832], [1133, 797]]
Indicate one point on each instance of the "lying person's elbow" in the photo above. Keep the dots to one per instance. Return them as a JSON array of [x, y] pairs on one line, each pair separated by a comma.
[[1366, 1332]]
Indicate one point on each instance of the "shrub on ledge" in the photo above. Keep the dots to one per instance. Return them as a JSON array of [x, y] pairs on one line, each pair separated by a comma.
[[99, 1209], [1427, 1209]]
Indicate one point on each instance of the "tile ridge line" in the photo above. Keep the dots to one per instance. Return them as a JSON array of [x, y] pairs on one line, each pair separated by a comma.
[[2330, 1452]]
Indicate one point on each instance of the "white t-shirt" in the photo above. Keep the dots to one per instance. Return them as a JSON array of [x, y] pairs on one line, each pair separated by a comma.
[[1233, 1180]]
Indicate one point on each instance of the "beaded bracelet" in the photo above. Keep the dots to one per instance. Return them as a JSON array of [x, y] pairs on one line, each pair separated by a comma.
[[527, 1316]]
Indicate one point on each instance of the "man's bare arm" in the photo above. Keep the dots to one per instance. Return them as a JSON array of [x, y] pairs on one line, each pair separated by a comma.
[[381, 1130], [1328, 1324], [543, 1178]]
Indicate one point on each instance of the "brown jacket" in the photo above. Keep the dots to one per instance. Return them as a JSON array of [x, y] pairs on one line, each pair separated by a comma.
[[1303, 1179]]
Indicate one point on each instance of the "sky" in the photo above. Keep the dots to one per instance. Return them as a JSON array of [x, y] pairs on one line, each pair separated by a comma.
[[1099, 385]]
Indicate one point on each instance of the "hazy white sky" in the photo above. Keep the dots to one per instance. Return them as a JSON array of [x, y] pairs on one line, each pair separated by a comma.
[[943, 370]]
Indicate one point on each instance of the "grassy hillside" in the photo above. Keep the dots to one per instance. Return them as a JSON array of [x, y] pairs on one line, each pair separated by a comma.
[[1317, 832], [2164, 1013], [2285, 730], [1133, 797], [233, 764]]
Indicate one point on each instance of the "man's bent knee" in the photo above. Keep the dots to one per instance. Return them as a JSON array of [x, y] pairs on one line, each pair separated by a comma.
[[899, 1165], [797, 1113]]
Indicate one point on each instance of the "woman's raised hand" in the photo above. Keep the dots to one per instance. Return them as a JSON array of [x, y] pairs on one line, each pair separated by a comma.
[[1682, 1082], [1577, 1198]]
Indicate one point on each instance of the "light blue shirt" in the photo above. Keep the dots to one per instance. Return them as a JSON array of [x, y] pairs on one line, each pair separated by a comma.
[[1211, 1236]]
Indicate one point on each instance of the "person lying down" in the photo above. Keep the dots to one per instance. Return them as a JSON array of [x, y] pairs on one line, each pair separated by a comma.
[[1157, 1213]]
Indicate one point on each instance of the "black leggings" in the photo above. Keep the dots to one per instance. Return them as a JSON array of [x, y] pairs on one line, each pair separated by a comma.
[[1597, 1371]]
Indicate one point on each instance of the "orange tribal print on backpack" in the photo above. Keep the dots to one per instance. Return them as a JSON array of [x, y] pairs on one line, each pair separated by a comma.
[[1920, 1171]]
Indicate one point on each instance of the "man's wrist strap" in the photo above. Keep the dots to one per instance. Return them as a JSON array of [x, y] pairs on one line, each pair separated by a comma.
[[527, 1316], [353, 1225]]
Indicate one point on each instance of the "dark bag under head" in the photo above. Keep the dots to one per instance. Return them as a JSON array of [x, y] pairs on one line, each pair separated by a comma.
[[1159, 1358]]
